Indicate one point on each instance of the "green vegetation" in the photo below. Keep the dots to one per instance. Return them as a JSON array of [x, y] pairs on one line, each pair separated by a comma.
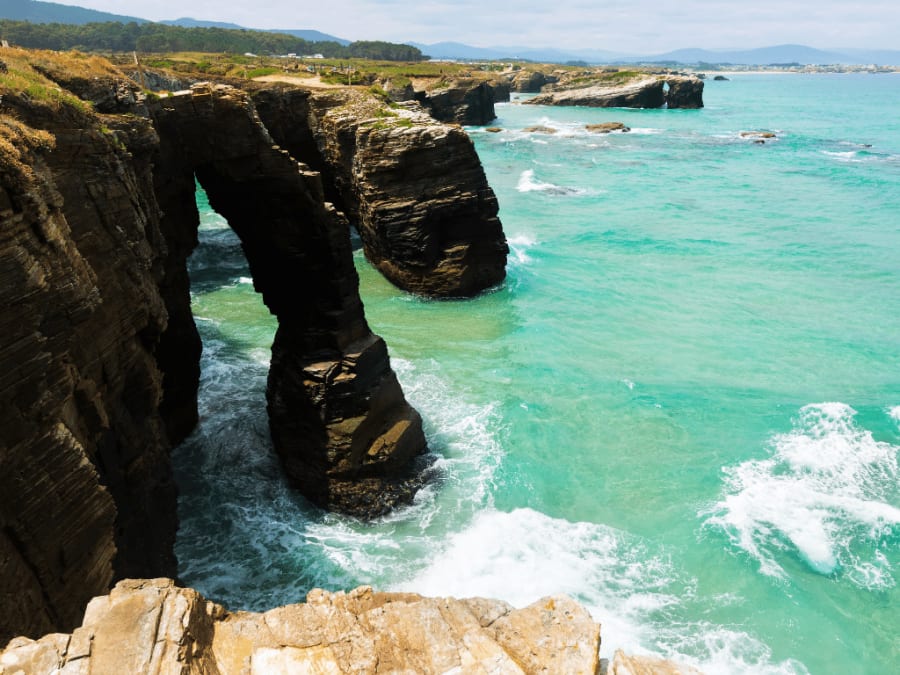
[[23, 79], [160, 38]]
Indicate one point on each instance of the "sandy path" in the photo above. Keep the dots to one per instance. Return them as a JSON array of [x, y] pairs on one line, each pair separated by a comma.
[[315, 81]]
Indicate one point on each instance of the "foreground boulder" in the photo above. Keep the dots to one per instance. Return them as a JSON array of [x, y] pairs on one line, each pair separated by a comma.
[[151, 626]]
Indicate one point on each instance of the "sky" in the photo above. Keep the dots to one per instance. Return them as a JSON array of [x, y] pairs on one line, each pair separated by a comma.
[[638, 26]]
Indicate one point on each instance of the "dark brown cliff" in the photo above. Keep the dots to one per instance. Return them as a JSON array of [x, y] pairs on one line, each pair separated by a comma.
[[98, 349], [414, 188], [86, 491]]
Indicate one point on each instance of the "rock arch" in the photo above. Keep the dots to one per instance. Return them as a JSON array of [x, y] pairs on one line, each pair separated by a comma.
[[338, 417]]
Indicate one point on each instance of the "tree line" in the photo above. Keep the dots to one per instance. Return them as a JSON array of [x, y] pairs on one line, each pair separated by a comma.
[[159, 38]]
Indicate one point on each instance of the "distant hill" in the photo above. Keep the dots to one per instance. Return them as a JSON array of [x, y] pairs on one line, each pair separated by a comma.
[[310, 35], [748, 57], [37, 11], [751, 57], [303, 34], [53, 12], [457, 50], [188, 22]]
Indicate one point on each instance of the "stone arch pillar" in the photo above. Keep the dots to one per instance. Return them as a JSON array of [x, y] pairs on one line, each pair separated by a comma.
[[339, 421]]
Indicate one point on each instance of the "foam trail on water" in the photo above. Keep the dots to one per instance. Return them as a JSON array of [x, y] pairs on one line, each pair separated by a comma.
[[895, 413], [825, 493], [524, 555], [519, 245], [528, 183]]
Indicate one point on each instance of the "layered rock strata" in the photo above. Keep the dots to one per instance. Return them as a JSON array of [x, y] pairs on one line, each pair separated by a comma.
[[461, 100], [414, 189], [98, 351], [531, 81], [151, 626], [650, 91], [338, 418], [86, 489]]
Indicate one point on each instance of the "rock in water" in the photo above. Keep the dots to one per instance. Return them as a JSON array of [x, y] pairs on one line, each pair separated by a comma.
[[607, 127], [414, 188], [639, 90], [345, 433], [98, 350], [151, 626]]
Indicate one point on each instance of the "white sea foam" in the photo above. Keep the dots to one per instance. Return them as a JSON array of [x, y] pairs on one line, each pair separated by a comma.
[[895, 413], [528, 183], [524, 555], [245, 280], [824, 494], [519, 246], [848, 155]]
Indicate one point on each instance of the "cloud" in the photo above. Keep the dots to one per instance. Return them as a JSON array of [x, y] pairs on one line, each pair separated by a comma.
[[641, 26]]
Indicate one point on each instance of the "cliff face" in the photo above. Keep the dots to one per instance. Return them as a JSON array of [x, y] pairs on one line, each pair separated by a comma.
[[463, 100], [153, 627], [338, 418], [86, 492], [415, 189], [650, 91], [98, 350]]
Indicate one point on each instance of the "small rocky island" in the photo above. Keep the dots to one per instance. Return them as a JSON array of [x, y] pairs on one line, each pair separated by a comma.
[[622, 89]]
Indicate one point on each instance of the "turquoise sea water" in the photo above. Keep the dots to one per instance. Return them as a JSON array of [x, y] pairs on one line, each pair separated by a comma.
[[682, 408]]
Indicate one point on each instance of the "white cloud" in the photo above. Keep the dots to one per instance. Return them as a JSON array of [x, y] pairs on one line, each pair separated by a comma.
[[641, 26]]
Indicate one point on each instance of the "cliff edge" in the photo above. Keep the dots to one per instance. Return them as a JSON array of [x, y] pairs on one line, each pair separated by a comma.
[[152, 626]]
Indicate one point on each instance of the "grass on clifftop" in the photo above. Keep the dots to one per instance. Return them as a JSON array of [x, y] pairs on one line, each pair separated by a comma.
[[24, 76], [16, 140]]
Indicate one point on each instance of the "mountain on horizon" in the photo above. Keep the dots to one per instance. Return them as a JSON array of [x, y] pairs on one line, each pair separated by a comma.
[[38, 11], [778, 54], [53, 12], [762, 56], [304, 34]]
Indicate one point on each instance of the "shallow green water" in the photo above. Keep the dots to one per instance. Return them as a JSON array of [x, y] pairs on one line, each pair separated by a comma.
[[683, 406]]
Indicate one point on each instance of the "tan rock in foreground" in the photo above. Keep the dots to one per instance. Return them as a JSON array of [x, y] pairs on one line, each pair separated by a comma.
[[151, 626], [624, 664]]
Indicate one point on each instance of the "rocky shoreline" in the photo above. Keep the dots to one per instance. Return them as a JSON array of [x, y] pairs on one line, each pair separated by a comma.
[[99, 349], [99, 364]]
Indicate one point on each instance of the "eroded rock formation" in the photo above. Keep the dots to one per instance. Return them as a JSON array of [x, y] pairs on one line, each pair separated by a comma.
[[531, 81], [638, 91], [86, 490], [98, 351], [415, 189], [150, 626], [462, 100], [338, 418]]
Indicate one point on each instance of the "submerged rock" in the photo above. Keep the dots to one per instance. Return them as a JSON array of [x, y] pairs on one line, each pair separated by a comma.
[[152, 626], [607, 127], [539, 129]]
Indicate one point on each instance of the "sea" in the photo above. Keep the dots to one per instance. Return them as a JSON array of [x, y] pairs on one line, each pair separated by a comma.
[[682, 407]]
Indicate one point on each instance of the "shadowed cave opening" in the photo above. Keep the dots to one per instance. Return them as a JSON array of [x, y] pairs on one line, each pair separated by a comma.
[[233, 491]]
